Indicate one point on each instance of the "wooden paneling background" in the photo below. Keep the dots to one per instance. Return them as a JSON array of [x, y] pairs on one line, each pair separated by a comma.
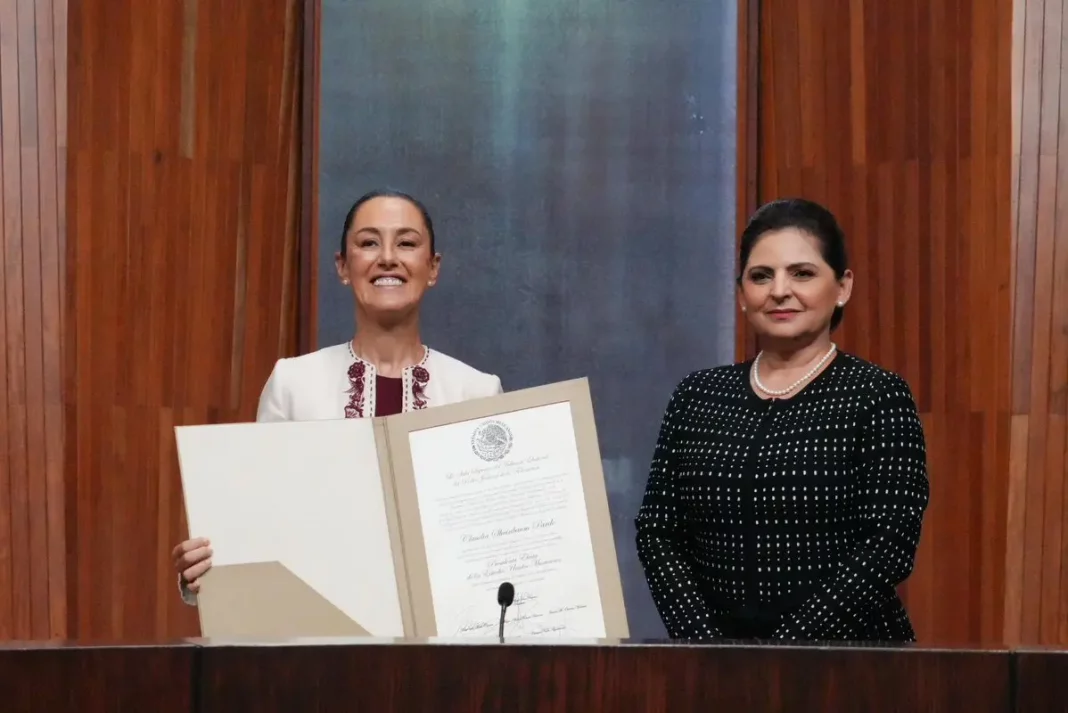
[[184, 190], [933, 129], [896, 116], [1037, 581], [33, 598]]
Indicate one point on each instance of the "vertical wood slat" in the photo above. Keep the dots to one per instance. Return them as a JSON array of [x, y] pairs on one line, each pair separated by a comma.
[[184, 200], [33, 596], [1037, 559], [310, 89], [922, 141], [36, 476], [748, 125]]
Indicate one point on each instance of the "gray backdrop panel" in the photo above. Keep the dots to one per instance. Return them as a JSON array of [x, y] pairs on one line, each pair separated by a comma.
[[578, 158]]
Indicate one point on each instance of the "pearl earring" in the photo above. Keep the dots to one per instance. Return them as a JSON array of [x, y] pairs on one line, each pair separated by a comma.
[[841, 304]]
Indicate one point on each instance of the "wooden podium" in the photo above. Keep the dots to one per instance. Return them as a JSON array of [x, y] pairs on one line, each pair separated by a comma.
[[374, 675]]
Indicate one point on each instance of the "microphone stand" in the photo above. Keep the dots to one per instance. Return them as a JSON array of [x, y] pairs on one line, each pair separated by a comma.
[[505, 596]]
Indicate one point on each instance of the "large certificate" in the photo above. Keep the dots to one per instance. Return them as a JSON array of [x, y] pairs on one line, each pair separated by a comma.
[[408, 525]]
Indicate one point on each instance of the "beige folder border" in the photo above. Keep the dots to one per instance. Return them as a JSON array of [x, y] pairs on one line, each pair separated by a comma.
[[410, 555], [386, 464], [268, 601]]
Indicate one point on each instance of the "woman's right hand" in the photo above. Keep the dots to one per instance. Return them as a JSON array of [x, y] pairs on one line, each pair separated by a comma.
[[192, 559]]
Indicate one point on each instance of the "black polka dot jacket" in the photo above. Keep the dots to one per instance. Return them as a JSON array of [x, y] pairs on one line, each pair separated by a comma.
[[785, 518]]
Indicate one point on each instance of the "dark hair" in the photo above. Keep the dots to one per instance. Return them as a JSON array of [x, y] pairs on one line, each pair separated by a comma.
[[804, 215], [385, 193]]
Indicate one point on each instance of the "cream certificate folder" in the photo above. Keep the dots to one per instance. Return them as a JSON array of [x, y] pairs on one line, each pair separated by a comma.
[[405, 526]]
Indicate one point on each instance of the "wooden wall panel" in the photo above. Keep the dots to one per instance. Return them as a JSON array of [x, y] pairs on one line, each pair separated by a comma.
[[32, 155], [184, 200], [896, 116], [1037, 557]]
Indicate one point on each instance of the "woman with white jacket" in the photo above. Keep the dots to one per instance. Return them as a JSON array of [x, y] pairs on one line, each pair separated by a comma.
[[388, 260]]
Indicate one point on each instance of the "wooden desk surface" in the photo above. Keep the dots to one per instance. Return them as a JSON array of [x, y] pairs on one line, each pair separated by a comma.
[[205, 676]]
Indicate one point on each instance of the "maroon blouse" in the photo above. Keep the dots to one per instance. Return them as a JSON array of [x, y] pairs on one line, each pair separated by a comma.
[[389, 395]]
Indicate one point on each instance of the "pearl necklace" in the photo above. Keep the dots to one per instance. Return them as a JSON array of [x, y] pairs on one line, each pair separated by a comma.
[[791, 387]]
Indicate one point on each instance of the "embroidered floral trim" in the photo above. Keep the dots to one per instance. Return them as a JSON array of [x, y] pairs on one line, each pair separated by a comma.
[[357, 381], [361, 389], [420, 377]]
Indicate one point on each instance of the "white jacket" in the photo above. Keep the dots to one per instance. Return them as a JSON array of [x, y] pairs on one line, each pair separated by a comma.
[[317, 387]]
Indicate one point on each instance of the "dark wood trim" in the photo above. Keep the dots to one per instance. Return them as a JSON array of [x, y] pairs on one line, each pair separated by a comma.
[[748, 166], [209, 677], [309, 195]]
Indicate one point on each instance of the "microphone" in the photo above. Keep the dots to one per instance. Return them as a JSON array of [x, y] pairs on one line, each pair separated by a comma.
[[505, 597]]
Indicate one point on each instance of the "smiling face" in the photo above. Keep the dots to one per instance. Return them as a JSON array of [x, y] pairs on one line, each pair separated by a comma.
[[388, 260], [787, 290]]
